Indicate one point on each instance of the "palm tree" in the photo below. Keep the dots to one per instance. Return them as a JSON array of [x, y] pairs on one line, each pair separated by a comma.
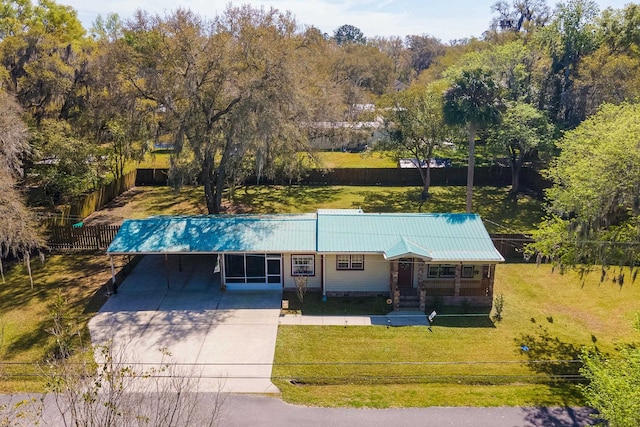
[[473, 100]]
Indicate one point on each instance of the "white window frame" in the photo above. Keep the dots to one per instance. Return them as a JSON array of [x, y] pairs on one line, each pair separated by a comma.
[[357, 262], [303, 265], [343, 262], [349, 262]]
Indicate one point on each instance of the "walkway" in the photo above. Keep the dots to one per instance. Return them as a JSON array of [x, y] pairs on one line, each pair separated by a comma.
[[401, 318]]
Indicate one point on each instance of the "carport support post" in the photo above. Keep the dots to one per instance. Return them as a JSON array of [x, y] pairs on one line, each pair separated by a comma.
[[166, 267], [114, 285]]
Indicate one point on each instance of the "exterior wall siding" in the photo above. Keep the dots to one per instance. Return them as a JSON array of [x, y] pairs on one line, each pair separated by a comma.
[[373, 279]]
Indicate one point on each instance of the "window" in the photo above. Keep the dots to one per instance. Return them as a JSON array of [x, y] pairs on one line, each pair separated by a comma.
[[302, 265], [357, 262], [433, 271], [447, 270], [343, 262], [245, 268], [349, 262], [467, 272]]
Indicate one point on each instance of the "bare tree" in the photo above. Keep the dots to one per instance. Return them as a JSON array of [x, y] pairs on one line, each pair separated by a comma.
[[19, 233], [92, 386]]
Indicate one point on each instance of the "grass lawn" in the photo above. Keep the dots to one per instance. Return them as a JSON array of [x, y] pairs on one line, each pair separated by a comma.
[[464, 360], [25, 314], [500, 212], [367, 159], [159, 159]]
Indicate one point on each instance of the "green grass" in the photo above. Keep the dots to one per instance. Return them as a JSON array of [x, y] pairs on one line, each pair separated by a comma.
[[159, 159], [313, 305], [501, 213], [25, 313], [367, 159], [464, 360]]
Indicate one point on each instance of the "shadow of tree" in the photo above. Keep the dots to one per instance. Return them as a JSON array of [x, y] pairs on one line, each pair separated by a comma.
[[269, 199], [383, 200], [561, 417], [553, 359], [458, 321]]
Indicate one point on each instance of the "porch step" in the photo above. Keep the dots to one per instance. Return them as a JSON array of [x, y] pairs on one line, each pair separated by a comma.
[[409, 302]]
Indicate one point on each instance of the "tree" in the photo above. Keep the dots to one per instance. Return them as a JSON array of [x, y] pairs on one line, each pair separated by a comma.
[[424, 50], [19, 233], [520, 15], [473, 100], [67, 166], [594, 210], [611, 74], [614, 385], [362, 71], [570, 36], [42, 49], [346, 34], [522, 131], [416, 127], [225, 90]]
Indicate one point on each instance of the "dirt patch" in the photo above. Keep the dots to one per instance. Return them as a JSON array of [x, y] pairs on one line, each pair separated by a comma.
[[142, 202]]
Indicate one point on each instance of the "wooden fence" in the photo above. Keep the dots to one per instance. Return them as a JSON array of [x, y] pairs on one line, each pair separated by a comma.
[[454, 176], [86, 238], [511, 246], [98, 237]]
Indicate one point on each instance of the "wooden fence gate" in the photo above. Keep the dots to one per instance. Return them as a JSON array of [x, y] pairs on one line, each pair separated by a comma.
[[84, 238]]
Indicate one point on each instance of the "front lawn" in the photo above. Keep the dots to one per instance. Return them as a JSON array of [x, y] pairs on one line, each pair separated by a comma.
[[26, 314], [465, 360]]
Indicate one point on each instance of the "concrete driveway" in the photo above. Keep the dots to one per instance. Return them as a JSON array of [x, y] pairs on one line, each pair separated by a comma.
[[223, 341]]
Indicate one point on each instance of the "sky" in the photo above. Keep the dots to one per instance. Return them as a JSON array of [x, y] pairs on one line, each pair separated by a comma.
[[445, 19]]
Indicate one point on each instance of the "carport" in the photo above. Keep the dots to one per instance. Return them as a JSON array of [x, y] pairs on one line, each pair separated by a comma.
[[247, 250]]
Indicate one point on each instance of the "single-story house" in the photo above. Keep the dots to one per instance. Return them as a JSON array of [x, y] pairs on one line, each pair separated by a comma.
[[409, 257]]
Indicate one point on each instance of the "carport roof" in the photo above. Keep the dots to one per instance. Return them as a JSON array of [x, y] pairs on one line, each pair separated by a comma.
[[216, 233]]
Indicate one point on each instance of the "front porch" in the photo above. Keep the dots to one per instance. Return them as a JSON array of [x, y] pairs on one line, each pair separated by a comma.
[[415, 283]]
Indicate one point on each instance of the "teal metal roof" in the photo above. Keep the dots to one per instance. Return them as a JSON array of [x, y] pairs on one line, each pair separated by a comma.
[[438, 237], [217, 233], [434, 237], [406, 248]]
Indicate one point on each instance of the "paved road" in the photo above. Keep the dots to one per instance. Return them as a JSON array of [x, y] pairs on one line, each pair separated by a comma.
[[261, 411]]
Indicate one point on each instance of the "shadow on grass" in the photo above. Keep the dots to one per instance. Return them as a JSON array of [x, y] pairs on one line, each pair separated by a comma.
[[338, 306], [553, 359], [383, 200], [268, 199], [463, 321]]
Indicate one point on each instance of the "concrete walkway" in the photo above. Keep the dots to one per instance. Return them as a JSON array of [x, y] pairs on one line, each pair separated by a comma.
[[401, 318], [220, 341]]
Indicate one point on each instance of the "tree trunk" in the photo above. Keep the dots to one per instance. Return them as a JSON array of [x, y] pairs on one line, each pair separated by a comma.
[[209, 179], [516, 167], [426, 181], [471, 166]]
